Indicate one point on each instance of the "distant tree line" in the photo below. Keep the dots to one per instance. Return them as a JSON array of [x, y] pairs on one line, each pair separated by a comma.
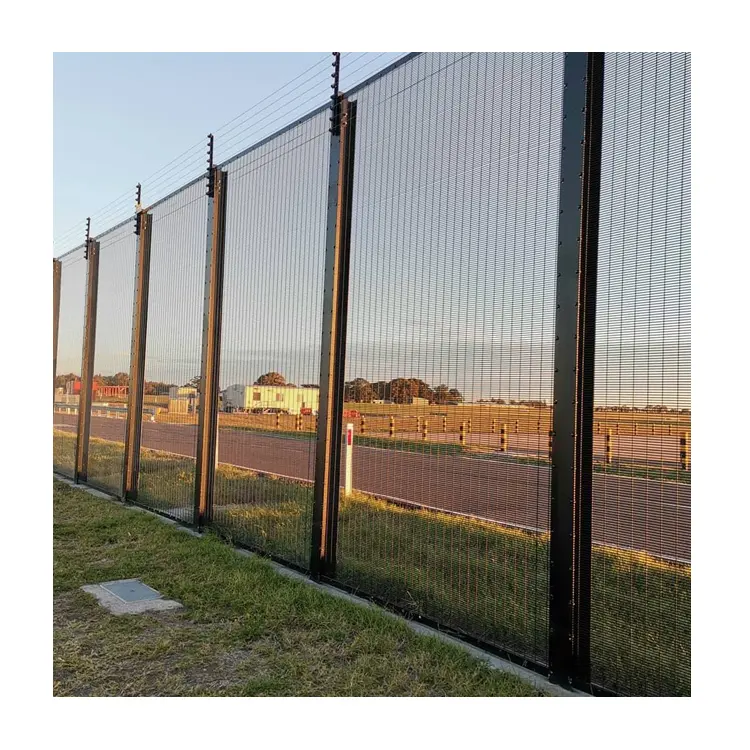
[[651, 408], [157, 388], [61, 380], [540, 404], [399, 391], [273, 378], [119, 378]]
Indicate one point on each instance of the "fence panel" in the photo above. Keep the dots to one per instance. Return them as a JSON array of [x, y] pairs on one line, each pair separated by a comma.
[[173, 353], [641, 495], [117, 252], [449, 354], [270, 353], [450, 342], [69, 349]]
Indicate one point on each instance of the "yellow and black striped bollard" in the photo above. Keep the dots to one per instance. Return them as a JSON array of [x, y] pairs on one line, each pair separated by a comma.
[[424, 430], [445, 424], [494, 426], [462, 433], [517, 427], [392, 427], [299, 423], [362, 425], [608, 447], [503, 438], [685, 451], [469, 427], [278, 420]]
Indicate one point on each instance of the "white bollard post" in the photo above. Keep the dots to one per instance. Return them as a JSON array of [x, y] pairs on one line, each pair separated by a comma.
[[348, 464], [216, 457]]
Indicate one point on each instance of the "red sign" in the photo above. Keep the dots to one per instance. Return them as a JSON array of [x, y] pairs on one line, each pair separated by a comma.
[[349, 433]]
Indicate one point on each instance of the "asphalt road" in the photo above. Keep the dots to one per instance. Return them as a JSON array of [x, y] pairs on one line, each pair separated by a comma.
[[631, 513]]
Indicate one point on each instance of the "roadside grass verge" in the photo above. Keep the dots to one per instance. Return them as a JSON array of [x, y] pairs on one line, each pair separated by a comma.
[[486, 452], [245, 630], [476, 577]]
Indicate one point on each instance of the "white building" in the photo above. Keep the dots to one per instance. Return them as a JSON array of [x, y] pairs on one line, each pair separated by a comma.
[[290, 398]]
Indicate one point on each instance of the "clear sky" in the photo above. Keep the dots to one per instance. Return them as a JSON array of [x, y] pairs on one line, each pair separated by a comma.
[[454, 239], [119, 117]]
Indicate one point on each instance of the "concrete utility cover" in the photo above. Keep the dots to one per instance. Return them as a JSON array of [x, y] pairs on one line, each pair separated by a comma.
[[129, 597], [131, 590]]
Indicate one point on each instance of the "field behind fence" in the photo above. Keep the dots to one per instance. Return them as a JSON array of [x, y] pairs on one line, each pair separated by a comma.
[[479, 261]]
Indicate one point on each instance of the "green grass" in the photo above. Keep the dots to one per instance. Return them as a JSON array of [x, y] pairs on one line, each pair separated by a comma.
[[371, 441], [619, 468], [411, 446], [286, 434], [245, 630], [474, 576], [64, 452], [658, 474]]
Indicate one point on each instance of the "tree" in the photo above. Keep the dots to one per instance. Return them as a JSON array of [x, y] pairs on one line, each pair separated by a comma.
[[61, 380], [359, 390], [442, 394], [455, 395], [423, 390], [403, 390], [400, 390], [194, 383], [157, 388], [271, 378], [120, 378], [382, 390]]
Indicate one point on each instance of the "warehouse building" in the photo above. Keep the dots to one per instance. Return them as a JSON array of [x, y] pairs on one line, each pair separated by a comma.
[[288, 398]]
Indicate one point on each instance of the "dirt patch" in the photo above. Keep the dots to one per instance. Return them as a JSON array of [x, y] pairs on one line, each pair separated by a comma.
[[163, 653]]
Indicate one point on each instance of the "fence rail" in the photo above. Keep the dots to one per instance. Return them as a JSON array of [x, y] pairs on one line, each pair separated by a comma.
[[480, 263]]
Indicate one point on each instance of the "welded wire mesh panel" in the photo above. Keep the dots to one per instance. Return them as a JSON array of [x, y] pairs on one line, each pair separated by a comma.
[[451, 341], [114, 321], [270, 356], [171, 400], [641, 521], [69, 352]]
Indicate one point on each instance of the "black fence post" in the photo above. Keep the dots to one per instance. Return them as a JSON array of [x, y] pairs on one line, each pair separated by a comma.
[[56, 282], [131, 466], [87, 361], [573, 410], [333, 346], [208, 397]]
